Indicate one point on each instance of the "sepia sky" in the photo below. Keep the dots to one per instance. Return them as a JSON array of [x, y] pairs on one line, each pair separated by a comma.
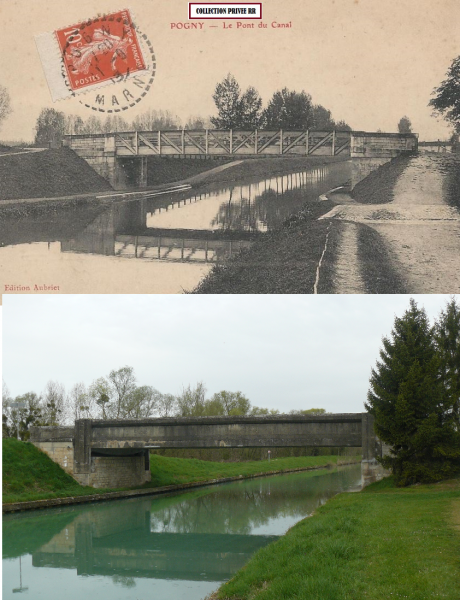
[[369, 61], [284, 352]]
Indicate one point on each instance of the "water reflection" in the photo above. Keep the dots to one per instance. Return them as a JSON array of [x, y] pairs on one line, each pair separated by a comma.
[[185, 545], [205, 226], [159, 244]]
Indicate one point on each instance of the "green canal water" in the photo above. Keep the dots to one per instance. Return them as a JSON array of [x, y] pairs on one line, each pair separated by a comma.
[[179, 547]]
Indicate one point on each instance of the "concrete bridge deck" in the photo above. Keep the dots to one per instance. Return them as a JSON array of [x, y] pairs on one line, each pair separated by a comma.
[[115, 453]]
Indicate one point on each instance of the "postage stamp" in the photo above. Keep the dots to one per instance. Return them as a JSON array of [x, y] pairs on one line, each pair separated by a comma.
[[106, 50]]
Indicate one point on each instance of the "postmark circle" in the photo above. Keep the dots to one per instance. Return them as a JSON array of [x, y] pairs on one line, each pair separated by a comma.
[[122, 90]]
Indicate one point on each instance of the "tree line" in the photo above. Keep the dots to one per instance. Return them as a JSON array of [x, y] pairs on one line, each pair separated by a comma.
[[414, 396], [118, 396], [287, 109]]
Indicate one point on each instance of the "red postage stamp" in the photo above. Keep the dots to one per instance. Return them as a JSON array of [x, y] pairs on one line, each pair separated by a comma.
[[101, 49]]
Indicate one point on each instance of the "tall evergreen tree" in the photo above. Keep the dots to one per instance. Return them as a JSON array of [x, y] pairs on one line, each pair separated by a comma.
[[406, 399], [447, 336]]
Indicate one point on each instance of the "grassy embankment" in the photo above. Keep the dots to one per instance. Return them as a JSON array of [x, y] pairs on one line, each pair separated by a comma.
[[47, 174], [285, 261], [381, 543], [29, 474]]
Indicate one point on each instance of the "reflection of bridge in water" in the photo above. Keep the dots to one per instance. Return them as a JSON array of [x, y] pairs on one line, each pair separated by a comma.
[[141, 553], [174, 228], [201, 535]]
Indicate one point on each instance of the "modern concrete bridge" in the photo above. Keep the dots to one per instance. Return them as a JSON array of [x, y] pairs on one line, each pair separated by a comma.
[[115, 453], [121, 157]]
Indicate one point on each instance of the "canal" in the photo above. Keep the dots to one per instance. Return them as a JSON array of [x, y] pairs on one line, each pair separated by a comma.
[[159, 244], [179, 547]]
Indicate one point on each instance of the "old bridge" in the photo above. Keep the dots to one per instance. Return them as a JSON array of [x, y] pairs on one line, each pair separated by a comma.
[[115, 453], [121, 157]]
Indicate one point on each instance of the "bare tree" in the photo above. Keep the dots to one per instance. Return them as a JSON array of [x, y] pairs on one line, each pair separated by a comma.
[[54, 407], [167, 405], [100, 395], [81, 403], [6, 410], [156, 119]]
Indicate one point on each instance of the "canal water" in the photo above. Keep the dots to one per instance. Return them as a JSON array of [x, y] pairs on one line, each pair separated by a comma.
[[179, 547], [160, 244]]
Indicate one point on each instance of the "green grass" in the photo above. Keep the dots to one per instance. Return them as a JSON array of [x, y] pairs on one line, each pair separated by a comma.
[[170, 471], [382, 543], [29, 474]]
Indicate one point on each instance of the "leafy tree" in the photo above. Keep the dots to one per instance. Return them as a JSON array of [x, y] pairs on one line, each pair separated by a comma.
[[447, 96], [405, 398], [142, 402], [404, 125], [314, 412], [447, 337], [257, 411], [50, 127], [167, 404], [31, 415], [5, 103], [191, 402], [236, 110], [231, 403], [227, 100], [289, 110], [342, 126], [123, 385], [322, 118], [250, 109]]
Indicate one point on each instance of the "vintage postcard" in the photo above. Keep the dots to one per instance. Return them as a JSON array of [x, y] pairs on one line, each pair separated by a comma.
[[263, 147]]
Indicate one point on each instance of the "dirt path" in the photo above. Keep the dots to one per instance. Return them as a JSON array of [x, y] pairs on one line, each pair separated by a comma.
[[419, 227]]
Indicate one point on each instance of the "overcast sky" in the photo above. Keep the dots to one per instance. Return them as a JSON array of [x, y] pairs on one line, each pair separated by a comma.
[[283, 352], [369, 61]]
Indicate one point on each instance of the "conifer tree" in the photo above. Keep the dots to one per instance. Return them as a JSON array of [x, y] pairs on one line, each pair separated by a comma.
[[406, 399], [447, 337]]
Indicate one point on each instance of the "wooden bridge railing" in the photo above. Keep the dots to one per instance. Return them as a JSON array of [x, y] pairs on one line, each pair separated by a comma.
[[230, 142]]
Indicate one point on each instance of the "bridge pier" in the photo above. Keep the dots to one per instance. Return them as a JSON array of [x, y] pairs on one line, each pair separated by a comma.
[[100, 152]]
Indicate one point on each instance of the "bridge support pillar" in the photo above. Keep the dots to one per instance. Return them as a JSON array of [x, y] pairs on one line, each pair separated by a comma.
[[130, 172], [82, 450]]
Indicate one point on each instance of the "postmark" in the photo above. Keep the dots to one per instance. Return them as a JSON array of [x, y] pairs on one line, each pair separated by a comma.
[[108, 51]]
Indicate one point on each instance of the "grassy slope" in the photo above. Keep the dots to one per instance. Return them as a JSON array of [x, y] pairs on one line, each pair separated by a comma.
[[282, 262], [29, 474], [47, 174], [378, 186], [382, 543], [168, 471]]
